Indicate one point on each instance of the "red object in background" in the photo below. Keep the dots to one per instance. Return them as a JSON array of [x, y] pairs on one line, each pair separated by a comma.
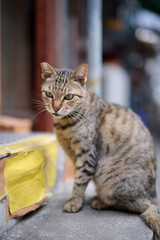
[[50, 45], [43, 52]]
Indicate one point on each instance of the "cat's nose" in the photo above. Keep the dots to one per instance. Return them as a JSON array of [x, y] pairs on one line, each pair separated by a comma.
[[56, 108]]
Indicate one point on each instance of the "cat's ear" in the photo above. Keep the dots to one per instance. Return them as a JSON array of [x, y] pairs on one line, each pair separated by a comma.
[[47, 71], [80, 74]]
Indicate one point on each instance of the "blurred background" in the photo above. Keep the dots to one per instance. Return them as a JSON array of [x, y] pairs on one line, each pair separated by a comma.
[[118, 39]]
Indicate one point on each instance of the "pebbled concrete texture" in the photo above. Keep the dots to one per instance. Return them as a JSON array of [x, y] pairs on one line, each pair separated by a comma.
[[50, 222]]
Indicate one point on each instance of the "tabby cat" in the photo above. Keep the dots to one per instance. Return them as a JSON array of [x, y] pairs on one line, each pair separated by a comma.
[[107, 144]]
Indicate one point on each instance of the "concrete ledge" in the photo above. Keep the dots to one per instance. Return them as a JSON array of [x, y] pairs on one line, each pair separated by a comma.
[[50, 222]]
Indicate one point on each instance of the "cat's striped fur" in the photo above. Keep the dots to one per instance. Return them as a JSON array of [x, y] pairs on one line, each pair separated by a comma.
[[107, 144]]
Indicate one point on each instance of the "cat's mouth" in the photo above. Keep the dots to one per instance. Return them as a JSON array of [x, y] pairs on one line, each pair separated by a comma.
[[57, 115]]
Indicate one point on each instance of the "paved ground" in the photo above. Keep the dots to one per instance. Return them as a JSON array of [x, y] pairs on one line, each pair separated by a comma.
[[51, 223]]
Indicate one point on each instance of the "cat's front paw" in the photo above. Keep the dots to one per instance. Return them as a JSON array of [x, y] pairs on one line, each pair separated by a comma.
[[72, 206]]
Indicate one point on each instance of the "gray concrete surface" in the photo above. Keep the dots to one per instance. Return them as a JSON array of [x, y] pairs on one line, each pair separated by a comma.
[[50, 222]]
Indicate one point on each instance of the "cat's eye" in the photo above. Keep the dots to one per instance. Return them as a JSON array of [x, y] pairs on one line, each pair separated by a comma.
[[69, 96], [49, 94]]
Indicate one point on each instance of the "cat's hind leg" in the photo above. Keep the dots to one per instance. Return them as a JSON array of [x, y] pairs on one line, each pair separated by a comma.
[[138, 205], [98, 204]]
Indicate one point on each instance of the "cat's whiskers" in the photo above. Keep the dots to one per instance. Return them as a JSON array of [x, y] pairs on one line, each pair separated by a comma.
[[74, 116], [39, 107], [77, 116], [38, 104], [41, 111], [36, 100], [83, 115]]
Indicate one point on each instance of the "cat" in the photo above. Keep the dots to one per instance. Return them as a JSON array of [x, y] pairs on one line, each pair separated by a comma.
[[107, 143]]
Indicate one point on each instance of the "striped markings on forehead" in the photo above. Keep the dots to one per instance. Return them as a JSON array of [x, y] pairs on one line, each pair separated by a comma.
[[63, 73], [62, 78]]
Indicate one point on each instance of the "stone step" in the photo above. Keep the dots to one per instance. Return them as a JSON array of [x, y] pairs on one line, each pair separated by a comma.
[[50, 222]]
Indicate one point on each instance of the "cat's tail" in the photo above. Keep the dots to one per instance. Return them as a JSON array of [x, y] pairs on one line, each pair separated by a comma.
[[152, 218]]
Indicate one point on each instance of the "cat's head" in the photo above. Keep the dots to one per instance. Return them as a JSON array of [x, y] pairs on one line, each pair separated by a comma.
[[63, 90]]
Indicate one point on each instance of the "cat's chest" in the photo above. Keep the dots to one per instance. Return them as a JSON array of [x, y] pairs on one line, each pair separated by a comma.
[[75, 139], [72, 143], [65, 140]]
